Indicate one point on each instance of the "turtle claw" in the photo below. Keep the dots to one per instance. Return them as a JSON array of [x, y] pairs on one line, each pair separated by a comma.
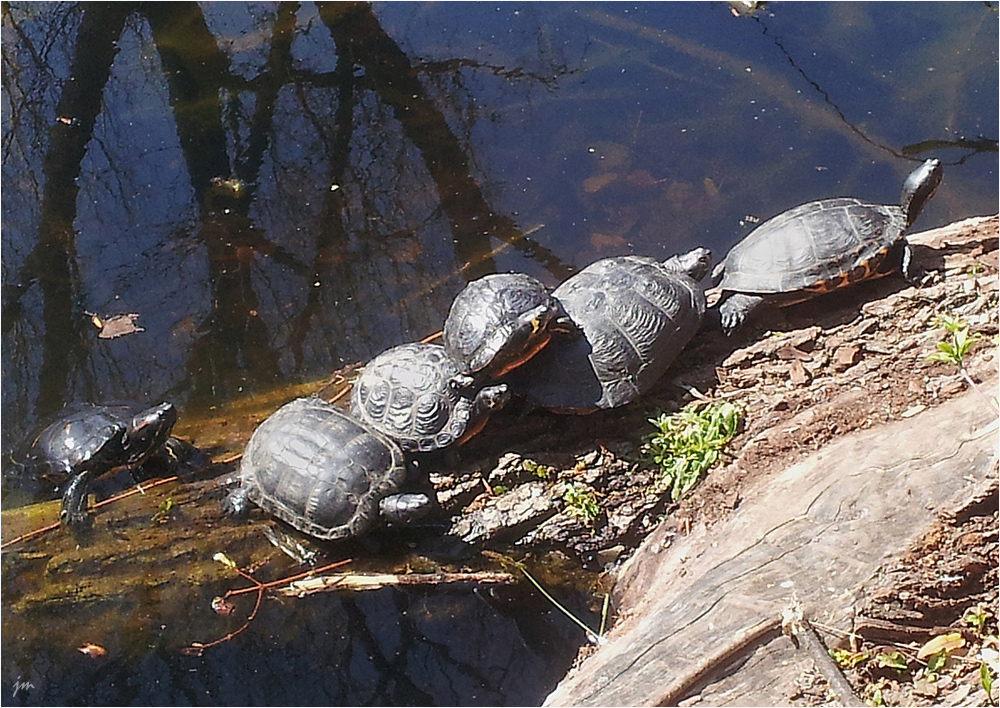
[[74, 519], [236, 503], [731, 320], [734, 310]]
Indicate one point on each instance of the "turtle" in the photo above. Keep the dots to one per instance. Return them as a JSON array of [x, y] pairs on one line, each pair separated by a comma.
[[418, 395], [87, 441], [327, 474], [636, 315], [499, 321], [821, 246]]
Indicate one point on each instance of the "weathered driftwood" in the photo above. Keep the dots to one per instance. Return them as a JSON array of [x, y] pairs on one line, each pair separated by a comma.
[[812, 535]]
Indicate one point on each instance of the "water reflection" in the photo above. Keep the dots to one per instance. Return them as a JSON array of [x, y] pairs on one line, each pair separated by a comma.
[[311, 258], [384, 647], [915, 151]]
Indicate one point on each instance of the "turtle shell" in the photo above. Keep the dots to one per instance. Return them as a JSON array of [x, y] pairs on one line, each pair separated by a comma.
[[315, 467], [498, 322], [416, 394], [87, 437], [636, 315], [816, 247]]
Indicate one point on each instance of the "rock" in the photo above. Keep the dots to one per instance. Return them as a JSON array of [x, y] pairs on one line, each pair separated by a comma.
[[790, 353], [798, 375], [526, 505], [846, 357]]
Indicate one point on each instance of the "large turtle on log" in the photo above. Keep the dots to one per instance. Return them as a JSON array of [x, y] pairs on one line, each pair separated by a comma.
[[635, 313], [821, 246], [327, 474]]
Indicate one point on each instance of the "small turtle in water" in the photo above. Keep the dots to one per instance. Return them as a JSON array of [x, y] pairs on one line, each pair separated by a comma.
[[499, 321], [418, 395], [821, 246], [636, 314], [315, 467], [88, 441]]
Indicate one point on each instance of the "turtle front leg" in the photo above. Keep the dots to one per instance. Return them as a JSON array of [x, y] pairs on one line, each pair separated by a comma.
[[913, 272], [73, 511], [735, 308], [237, 503]]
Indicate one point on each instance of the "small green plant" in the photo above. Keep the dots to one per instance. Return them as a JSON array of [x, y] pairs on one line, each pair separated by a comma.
[[540, 471], [891, 660], [163, 511], [582, 502], [976, 617], [986, 680], [687, 443], [955, 346], [876, 700], [989, 667], [936, 661], [847, 659]]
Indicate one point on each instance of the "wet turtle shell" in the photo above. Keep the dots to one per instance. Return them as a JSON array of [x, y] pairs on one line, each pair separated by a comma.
[[315, 467], [418, 395], [499, 321], [821, 246], [636, 314], [87, 441]]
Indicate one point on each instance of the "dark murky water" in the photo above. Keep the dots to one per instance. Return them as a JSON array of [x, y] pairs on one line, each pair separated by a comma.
[[385, 155]]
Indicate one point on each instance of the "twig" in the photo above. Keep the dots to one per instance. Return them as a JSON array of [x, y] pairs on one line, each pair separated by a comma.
[[287, 580], [198, 648], [743, 642], [375, 581], [604, 614], [594, 637], [806, 634], [975, 387]]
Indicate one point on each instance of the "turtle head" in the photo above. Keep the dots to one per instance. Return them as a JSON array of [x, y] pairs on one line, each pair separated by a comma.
[[148, 431], [919, 187], [491, 398], [695, 263], [513, 347]]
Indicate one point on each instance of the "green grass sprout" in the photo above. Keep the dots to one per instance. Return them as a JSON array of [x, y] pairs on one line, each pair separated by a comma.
[[687, 443]]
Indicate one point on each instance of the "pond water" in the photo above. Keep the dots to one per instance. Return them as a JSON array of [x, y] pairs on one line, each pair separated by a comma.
[[277, 190]]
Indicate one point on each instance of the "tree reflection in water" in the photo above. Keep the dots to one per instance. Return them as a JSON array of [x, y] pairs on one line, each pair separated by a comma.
[[329, 211]]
